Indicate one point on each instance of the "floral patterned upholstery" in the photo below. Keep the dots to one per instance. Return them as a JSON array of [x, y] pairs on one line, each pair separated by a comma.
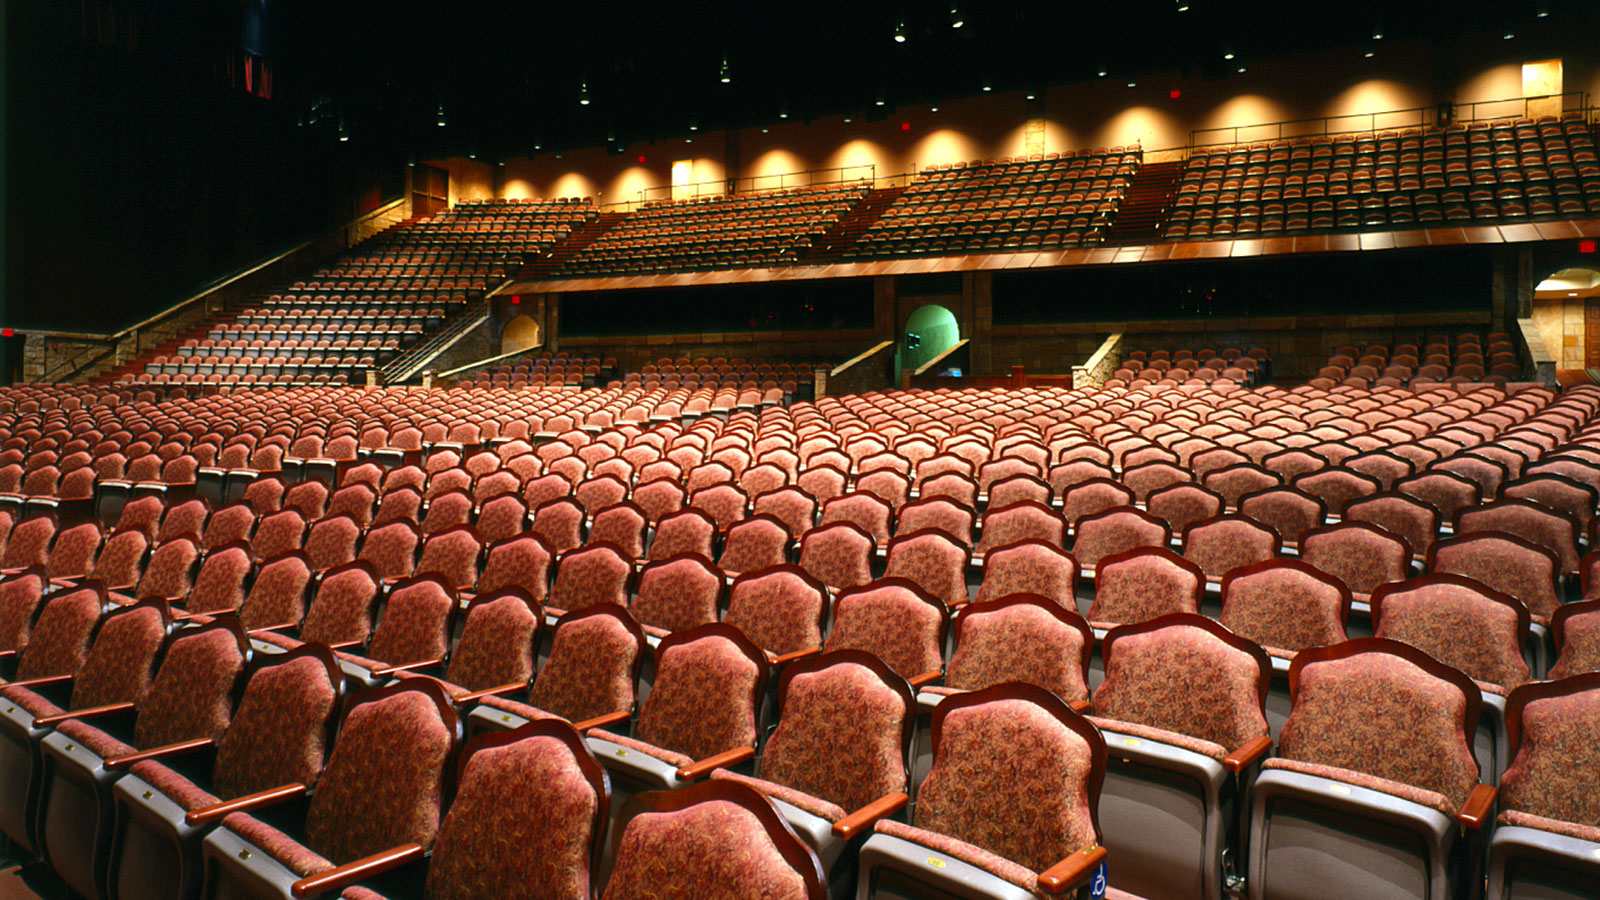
[[278, 734], [496, 644], [454, 555], [1019, 522], [342, 608], [1018, 642], [762, 479], [1143, 584], [838, 555], [229, 524], [551, 824], [624, 525], [1233, 482], [384, 781], [1380, 714], [1089, 498], [937, 512], [1065, 474], [1398, 514], [19, 600], [1444, 491], [1284, 607], [332, 542], [445, 479], [402, 504], [497, 483], [869, 512], [1486, 474], [1151, 477], [1336, 487], [1183, 504], [600, 492], [955, 486], [560, 523], [1506, 563], [1116, 531], [1011, 779], [598, 573], [309, 497], [502, 518], [169, 574], [590, 669], [1184, 679], [779, 610], [1526, 520], [121, 665], [678, 593], [191, 695], [659, 498], [74, 553], [1579, 631], [29, 544], [702, 702], [391, 549], [1223, 544], [415, 625], [59, 642], [685, 531], [188, 517], [278, 594], [279, 533], [143, 513], [716, 849], [447, 511], [889, 620], [887, 485], [724, 503], [1458, 624], [796, 509], [756, 543], [220, 584], [1551, 776], [522, 562], [840, 737], [266, 494], [933, 561], [1290, 512], [822, 482], [1360, 555]]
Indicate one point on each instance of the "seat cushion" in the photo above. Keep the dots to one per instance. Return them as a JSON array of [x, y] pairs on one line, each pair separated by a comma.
[[1419, 796], [993, 863], [291, 853], [799, 799]]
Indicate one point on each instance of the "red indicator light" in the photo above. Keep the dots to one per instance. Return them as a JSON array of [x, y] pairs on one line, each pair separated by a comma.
[[515, 300], [641, 157], [1175, 93], [1586, 246], [6, 332], [905, 126]]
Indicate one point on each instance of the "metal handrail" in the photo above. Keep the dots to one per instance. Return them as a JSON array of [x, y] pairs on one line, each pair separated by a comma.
[[532, 348]]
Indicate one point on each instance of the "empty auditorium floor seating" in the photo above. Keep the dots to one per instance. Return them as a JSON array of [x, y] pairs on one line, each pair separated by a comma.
[[1040, 202], [720, 372], [1464, 357], [755, 228], [1497, 171], [491, 567], [1142, 368], [547, 369], [374, 301]]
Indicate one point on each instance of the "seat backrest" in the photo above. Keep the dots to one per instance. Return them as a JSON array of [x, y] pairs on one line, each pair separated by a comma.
[[781, 608], [522, 561], [1221, 544], [1460, 622], [838, 555], [1576, 630], [933, 560], [894, 619], [593, 669], [1552, 729], [1117, 530], [280, 732], [342, 608], [1506, 563], [1360, 555], [1186, 674], [1021, 637], [1008, 747], [1184, 504], [332, 541], [680, 592], [755, 543], [452, 554], [1398, 513], [1530, 521], [387, 776], [170, 572], [1144, 583], [867, 511], [707, 694], [1386, 710], [416, 624], [121, 663], [220, 584], [1285, 605], [278, 594], [192, 694], [20, 596], [597, 573], [59, 639], [391, 549], [497, 640], [685, 531]]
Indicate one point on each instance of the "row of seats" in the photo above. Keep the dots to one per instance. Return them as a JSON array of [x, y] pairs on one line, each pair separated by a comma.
[[1482, 171], [1424, 360]]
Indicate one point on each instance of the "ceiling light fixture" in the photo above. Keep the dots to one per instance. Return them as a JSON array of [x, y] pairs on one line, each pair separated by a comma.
[[900, 31], [725, 77], [440, 119], [956, 19], [583, 93], [1183, 5]]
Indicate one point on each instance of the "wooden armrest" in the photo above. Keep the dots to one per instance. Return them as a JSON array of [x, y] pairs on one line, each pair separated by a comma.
[[864, 818], [90, 713], [216, 812], [181, 747], [281, 626], [1081, 706], [341, 877], [787, 658], [610, 718], [1248, 755], [726, 758], [1070, 872], [345, 645], [8, 654], [63, 582], [925, 678], [473, 696], [42, 681], [405, 667], [1478, 808]]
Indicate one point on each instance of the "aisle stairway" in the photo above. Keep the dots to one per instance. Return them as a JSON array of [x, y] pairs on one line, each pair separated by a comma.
[[849, 229], [1144, 208]]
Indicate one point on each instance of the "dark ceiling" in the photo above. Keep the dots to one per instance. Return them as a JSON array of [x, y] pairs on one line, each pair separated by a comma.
[[510, 76]]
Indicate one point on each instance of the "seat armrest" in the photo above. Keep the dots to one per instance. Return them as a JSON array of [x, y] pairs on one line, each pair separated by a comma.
[[1070, 872], [267, 629], [345, 645], [1478, 808], [406, 667], [216, 812], [90, 713], [610, 718], [864, 818], [1248, 755], [341, 877], [726, 758], [787, 658], [181, 747], [8, 654], [926, 678], [43, 681], [1081, 706], [495, 691]]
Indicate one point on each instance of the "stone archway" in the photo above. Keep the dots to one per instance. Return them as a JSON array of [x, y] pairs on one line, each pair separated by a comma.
[[519, 334]]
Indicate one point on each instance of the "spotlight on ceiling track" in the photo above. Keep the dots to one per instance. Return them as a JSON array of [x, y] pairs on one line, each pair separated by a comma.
[[1377, 32], [1132, 82], [783, 110], [1542, 11], [1101, 71], [1183, 5], [988, 84], [956, 18], [1508, 35], [879, 99], [694, 124], [1370, 52], [723, 74], [900, 31], [583, 94], [1227, 53], [440, 119]]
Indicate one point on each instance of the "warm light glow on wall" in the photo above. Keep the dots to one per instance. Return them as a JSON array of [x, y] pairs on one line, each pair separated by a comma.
[[1543, 79], [572, 184], [1143, 125], [943, 147], [517, 189], [629, 185], [771, 164], [1353, 108], [1241, 113], [859, 154]]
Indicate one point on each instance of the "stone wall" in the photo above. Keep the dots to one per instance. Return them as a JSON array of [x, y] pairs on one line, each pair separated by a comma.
[[634, 351], [1560, 323], [1100, 364], [873, 372]]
